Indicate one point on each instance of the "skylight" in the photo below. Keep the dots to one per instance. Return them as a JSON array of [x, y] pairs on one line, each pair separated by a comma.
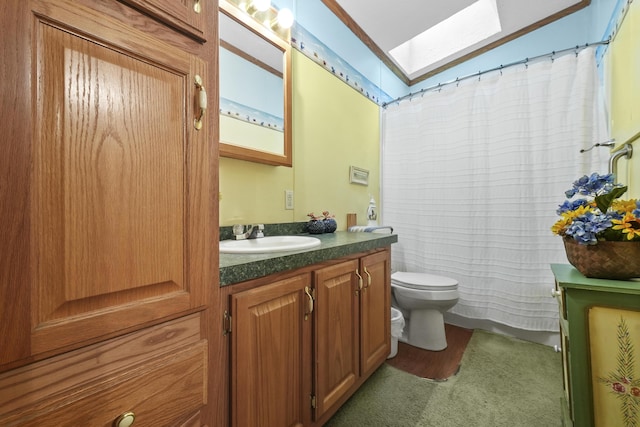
[[469, 26]]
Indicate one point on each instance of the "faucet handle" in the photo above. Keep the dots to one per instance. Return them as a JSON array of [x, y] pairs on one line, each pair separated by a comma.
[[238, 229], [254, 231]]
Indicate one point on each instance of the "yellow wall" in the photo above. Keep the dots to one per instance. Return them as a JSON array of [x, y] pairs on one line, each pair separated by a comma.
[[623, 88], [334, 127]]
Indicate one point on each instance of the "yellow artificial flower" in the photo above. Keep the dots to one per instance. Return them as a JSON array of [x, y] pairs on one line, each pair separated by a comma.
[[581, 210], [561, 225], [567, 218], [629, 225], [624, 205]]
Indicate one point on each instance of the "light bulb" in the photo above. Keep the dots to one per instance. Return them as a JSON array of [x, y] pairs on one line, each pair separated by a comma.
[[285, 18], [261, 5]]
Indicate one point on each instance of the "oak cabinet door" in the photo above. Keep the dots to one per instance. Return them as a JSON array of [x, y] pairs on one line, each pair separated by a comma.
[[337, 332], [271, 354], [375, 315], [115, 198]]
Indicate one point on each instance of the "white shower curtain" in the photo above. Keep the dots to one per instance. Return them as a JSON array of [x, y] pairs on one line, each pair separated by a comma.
[[472, 175]]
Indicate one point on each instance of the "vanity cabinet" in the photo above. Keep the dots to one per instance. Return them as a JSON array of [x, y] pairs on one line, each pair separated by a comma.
[[106, 215], [600, 330], [302, 344]]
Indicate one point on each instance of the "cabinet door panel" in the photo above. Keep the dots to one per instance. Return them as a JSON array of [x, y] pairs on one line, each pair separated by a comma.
[[336, 333], [271, 355], [113, 176], [375, 313]]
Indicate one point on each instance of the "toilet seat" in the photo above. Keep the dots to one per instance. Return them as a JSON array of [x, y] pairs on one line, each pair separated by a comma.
[[423, 281]]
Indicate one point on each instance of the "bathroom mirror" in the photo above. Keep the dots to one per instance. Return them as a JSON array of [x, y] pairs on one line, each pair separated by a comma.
[[255, 89]]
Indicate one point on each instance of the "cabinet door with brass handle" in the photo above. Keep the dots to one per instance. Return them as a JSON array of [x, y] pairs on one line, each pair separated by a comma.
[[120, 180], [271, 354], [336, 332], [375, 312]]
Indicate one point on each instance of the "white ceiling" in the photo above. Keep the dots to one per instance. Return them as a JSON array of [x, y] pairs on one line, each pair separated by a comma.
[[386, 24]]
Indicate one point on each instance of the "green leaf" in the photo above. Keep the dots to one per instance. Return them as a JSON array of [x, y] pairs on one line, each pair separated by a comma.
[[604, 201]]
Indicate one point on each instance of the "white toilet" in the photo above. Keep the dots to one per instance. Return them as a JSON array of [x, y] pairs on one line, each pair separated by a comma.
[[423, 298]]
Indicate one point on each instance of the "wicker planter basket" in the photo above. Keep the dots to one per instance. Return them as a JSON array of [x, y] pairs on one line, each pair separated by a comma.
[[606, 260]]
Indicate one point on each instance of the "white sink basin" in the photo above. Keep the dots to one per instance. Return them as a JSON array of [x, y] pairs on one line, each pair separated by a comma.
[[268, 244]]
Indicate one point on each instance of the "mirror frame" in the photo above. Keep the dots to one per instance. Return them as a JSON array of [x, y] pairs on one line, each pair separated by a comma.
[[227, 149]]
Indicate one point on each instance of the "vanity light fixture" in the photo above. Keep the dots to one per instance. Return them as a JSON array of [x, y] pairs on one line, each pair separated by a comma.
[[261, 11], [258, 6]]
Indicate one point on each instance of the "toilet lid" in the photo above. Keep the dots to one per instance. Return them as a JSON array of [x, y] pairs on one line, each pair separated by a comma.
[[423, 281]]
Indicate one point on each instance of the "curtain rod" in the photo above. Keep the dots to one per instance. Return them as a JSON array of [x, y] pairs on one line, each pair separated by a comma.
[[501, 67]]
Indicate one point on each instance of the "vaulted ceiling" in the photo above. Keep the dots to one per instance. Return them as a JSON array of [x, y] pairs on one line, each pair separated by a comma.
[[419, 38]]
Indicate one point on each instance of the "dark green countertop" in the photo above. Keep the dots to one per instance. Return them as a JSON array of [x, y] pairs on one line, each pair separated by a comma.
[[236, 268]]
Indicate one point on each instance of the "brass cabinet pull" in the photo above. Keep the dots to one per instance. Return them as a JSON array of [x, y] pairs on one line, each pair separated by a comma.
[[197, 8], [202, 101], [359, 282], [308, 291], [125, 420], [368, 278]]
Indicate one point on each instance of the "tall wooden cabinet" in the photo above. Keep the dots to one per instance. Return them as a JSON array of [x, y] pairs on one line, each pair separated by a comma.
[[303, 342], [600, 329], [106, 209]]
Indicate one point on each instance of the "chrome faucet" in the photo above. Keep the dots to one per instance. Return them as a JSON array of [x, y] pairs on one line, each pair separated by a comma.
[[252, 231]]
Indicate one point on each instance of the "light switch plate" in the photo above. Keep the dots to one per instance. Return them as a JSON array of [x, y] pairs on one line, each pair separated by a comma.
[[288, 199]]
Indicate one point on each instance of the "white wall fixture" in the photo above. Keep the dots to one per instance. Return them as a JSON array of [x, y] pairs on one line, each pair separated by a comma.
[[358, 175]]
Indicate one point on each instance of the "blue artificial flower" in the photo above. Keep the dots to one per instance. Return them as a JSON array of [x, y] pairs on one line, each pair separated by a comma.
[[592, 185], [585, 228], [571, 205]]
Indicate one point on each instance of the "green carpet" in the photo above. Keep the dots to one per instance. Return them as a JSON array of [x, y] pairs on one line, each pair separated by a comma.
[[502, 382]]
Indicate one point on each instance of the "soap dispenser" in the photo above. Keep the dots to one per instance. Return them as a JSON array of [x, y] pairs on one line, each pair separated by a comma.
[[372, 213]]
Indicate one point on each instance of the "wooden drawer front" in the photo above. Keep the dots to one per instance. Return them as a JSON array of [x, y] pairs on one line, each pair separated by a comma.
[[163, 386], [182, 15]]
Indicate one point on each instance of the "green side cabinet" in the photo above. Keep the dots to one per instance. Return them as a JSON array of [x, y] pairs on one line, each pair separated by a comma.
[[600, 340]]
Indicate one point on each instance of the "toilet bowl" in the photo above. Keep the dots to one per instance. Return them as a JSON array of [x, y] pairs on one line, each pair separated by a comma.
[[423, 298]]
